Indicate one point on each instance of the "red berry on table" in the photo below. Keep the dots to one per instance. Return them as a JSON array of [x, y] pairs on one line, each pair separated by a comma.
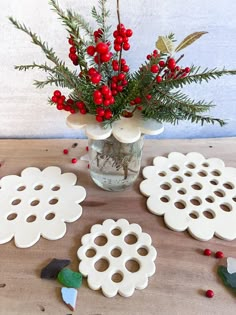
[[129, 32], [219, 254], [87, 148], [207, 252], [158, 79], [102, 48], [126, 46], [154, 68], [209, 293], [91, 50], [171, 64], [74, 160]]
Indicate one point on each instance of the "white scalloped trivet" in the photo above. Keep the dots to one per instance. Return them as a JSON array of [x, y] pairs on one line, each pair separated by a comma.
[[117, 257], [38, 203], [193, 193]]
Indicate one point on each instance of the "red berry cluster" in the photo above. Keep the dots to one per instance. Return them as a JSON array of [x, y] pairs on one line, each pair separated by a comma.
[[68, 105], [154, 54], [173, 71], [101, 52], [72, 55], [124, 66], [98, 35], [104, 98], [121, 36]]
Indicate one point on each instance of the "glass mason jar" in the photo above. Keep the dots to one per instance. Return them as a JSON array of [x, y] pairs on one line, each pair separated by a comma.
[[114, 165]]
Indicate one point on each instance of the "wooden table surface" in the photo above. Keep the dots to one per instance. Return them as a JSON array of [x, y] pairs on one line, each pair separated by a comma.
[[183, 272]]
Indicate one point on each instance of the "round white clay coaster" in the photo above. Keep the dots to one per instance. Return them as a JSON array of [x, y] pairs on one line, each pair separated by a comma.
[[117, 257], [192, 193], [38, 203]]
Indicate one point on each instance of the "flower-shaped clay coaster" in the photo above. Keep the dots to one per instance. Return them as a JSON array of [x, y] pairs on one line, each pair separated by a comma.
[[125, 130], [117, 257], [192, 193], [38, 203]]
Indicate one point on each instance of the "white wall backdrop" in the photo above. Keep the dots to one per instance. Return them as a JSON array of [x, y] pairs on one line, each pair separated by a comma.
[[24, 111]]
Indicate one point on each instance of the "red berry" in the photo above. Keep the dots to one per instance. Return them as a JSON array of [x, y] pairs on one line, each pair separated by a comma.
[[106, 102], [80, 105], [59, 106], [126, 46], [209, 293], [117, 47], [70, 101], [97, 94], [54, 99], [121, 76], [105, 57], [171, 64], [115, 67], [119, 88], [158, 78], [98, 101], [162, 63], [119, 40], [87, 148], [122, 61], [100, 111], [70, 41], [115, 34], [219, 254], [148, 97], [88, 166], [83, 111], [102, 48], [137, 100], [91, 50], [105, 89], [96, 78], [149, 57], [124, 82], [92, 71], [57, 93], [207, 252], [154, 68], [72, 111], [187, 69], [129, 32], [96, 59], [99, 118], [139, 107], [120, 27], [107, 114], [114, 92], [73, 50], [74, 160], [125, 68]]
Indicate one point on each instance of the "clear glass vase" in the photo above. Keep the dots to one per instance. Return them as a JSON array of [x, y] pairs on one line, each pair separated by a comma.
[[114, 165]]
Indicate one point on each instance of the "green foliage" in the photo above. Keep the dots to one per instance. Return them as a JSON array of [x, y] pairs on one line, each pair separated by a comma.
[[167, 103]]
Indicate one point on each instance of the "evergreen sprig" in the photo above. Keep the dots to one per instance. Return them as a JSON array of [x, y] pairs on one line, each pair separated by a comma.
[[155, 92]]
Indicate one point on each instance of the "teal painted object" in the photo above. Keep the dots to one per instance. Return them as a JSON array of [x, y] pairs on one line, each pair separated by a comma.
[[229, 279], [69, 296], [69, 278]]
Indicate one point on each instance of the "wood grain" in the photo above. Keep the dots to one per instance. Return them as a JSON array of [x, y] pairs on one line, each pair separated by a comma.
[[183, 273]]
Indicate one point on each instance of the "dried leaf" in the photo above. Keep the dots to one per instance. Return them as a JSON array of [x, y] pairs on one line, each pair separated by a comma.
[[189, 40], [165, 45]]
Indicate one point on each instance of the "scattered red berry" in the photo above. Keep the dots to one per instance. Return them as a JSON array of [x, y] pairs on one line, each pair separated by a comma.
[[219, 254], [87, 148], [207, 252], [65, 151], [209, 293], [74, 161]]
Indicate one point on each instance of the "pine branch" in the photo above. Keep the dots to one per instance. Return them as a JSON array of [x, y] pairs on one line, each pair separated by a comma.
[[197, 77], [101, 17], [42, 67], [49, 81]]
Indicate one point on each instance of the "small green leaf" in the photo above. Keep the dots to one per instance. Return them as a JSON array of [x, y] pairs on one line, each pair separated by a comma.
[[165, 44], [189, 40]]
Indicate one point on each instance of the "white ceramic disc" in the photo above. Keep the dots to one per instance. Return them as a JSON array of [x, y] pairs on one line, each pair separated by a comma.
[[38, 203], [117, 257], [192, 193]]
